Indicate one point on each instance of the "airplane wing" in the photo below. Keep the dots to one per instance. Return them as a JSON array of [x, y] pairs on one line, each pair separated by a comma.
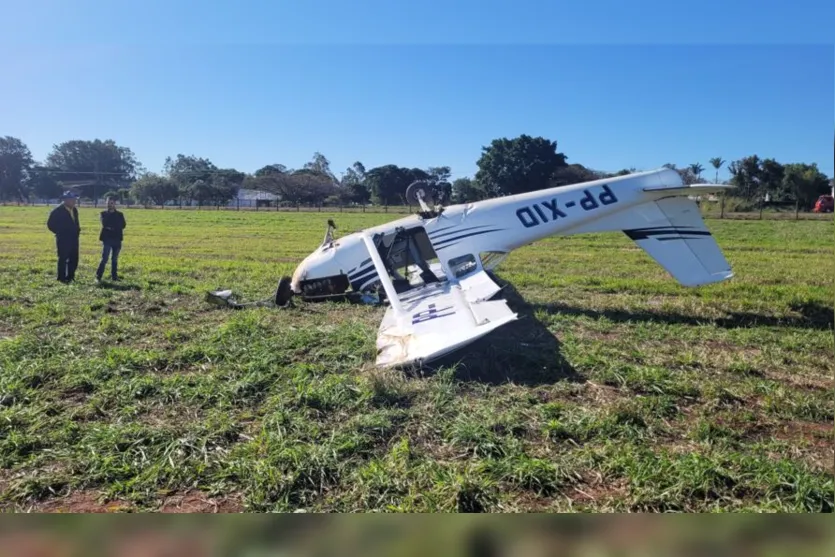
[[432, 320], [439, 318]]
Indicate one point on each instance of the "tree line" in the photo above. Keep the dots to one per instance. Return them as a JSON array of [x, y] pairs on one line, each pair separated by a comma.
[[95, 168]]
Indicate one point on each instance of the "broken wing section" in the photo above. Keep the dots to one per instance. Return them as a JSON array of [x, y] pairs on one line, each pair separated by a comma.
[[674, 234], [439, 318]]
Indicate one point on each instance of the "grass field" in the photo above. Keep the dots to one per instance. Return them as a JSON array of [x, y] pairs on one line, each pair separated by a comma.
[[618, 390]]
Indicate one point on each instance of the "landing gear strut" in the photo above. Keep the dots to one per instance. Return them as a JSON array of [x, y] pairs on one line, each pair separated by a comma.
[[284, 293]]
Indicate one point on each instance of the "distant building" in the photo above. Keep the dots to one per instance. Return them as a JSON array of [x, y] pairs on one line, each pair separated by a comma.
[[254, 198], [244, 198]]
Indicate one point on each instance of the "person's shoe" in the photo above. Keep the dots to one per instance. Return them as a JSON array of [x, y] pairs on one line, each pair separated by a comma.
[[115, 279], [98, 279]]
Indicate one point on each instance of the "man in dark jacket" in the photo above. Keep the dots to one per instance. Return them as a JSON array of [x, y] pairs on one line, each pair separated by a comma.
[[112, 224], [63, 222]]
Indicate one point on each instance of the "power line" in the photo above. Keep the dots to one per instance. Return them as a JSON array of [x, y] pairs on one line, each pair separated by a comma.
[[113, 173], [130, 174]]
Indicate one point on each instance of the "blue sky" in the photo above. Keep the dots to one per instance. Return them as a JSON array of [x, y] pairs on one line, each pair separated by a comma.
[[252, 83]]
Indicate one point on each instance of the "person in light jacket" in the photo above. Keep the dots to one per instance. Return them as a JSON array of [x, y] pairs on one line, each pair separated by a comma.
[[112, 225], [63, 222]]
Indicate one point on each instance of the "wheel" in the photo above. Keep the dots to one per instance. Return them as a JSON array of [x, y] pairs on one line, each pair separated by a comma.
[[284, 292], [417, 189]]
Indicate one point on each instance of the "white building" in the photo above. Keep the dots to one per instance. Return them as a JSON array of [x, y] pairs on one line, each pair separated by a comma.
[[253, 198]]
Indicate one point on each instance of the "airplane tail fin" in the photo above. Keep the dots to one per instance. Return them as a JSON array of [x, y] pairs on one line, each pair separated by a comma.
[[671, 230]]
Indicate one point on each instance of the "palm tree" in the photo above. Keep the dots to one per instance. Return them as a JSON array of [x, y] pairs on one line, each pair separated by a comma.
[[696, 169], [717, 163]]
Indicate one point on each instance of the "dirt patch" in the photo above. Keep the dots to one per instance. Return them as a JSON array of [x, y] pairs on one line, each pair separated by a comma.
[[7, 333], [807, 430], [199, 502], [801, 381], [531, 503], [84, 501], [808, 441], [159, 415], [599, 336], [425, 442], [5, 476], [595, 490], [817, 439], [602, 395], [720, 345], [815, 434]]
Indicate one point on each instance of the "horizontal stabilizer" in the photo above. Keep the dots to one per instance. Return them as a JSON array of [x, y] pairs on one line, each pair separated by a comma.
[[674, 234], [692, 189]]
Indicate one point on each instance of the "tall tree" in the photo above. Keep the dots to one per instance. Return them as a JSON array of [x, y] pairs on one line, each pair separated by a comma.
[[688, 173], [192, 175], [271, 169], [199, 190], [771, 180], [15, 168], [310, 187], [522, 164], [467, 190], [574, 174], [717, 163], [439, 180], [688, 176], [153, 188], [439, 173], [745, 176], [226, 183], [359, 168], [697, 169], [354, 189], [273, 178], [93, 166], [804, 183], [43, 184], [388, 183], [320, 164]]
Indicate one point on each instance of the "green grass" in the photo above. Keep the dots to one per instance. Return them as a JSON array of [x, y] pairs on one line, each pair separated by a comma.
[[619, 390]]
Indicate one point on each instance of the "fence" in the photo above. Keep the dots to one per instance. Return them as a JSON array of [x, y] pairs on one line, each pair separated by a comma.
[[716, 209], [234, 205], [709, 209]]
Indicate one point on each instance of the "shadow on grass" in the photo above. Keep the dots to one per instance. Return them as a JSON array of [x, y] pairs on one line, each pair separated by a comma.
[[524, 352], [107, 285], [813, 315]]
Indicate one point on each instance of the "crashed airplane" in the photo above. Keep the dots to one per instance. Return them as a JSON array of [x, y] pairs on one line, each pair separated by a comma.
[[431, 267]]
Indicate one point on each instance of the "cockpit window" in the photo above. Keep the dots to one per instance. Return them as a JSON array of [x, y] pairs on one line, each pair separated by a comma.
[[408, 255]]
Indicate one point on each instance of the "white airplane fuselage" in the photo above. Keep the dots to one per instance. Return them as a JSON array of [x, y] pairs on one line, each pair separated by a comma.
[[498, 226]]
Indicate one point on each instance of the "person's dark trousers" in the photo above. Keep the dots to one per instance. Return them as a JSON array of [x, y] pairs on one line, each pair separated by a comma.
[[110, 250], [67, 257]]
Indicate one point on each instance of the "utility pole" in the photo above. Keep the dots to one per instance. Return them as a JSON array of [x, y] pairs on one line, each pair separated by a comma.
[[96, 182]]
